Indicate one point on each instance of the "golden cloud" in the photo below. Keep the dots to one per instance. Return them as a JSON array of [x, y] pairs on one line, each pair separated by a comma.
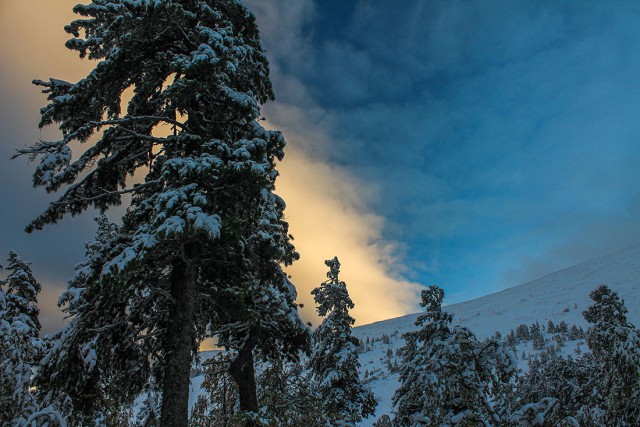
[[327, 216]]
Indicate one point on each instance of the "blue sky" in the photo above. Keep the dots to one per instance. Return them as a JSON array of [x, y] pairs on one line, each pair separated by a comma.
[[470, 144], [501, 138]]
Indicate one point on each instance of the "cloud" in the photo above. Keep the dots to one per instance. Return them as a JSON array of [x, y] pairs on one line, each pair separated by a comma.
[[281, 25], [493, 134], [328, 207], [329, 217]]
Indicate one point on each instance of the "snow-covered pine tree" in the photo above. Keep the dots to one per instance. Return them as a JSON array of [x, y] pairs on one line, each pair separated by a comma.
[[383, 421], [575, 333], [447, 376], [522, 333], [615, 345], [600, 387], [537, 337], [20, 345], [551, 328], [202, 243], [257, 309], [334, 360]]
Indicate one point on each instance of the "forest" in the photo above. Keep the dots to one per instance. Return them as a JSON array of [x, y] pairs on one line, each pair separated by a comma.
[[201, 251]]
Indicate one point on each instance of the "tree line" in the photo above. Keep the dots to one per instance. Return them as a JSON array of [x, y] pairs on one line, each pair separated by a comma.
[[320, 387], [447, 376]]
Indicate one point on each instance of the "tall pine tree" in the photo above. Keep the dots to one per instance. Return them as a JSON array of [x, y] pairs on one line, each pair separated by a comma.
[[334, 361], [201, 246]]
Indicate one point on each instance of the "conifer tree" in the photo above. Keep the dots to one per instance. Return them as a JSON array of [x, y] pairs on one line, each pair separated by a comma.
[[203, 240], [615, 345], [600, 387], [537, 338], [93, 368], [448, 377], [20, 345], [334, 360], [383, 421], [551, 376]]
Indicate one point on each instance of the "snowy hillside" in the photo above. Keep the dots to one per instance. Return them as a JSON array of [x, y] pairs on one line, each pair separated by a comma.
[[560, 296]]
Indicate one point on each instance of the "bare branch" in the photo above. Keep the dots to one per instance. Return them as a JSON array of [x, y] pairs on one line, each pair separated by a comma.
[[133, 119], [107, 194], [143, 136]]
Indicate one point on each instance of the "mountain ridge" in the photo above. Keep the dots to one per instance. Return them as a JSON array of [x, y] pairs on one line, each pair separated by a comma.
[[614, 270]]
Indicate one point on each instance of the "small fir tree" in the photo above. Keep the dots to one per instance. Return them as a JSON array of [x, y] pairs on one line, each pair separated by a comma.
[[334, 360], [383, 421], [575, 333], [20, 345], [563, 328], [522, 333], [537, 338], [615, 345], [551, 328]]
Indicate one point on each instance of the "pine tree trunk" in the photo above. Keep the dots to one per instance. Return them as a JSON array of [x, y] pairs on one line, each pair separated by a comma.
[[243, 372], [180, 337]]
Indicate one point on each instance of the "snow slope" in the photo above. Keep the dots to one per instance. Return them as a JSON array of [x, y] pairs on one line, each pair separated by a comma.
[[559, 296]]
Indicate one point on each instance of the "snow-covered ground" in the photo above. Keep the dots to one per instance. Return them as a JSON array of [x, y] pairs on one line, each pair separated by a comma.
[[560, 296]]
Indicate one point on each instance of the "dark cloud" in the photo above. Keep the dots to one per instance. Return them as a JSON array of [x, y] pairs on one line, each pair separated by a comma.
[[55, 250], [37, 53]]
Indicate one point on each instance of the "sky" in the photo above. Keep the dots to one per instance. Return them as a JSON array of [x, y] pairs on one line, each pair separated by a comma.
[[475, 145]]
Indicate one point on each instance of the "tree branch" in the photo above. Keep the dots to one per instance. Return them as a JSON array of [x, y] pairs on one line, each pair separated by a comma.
[[125, 120], [107, 194]]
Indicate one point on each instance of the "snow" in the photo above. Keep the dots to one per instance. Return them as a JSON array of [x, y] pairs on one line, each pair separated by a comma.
[[540, 300]]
